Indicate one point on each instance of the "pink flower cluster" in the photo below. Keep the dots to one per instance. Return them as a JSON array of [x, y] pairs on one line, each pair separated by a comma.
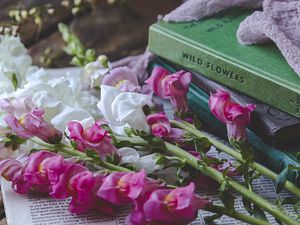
[[94, 137], [171, 86], [235, 116], [27, 121], [154, 203]]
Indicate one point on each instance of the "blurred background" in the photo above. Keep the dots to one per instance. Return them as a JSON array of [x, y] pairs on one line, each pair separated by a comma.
[[116, 28]]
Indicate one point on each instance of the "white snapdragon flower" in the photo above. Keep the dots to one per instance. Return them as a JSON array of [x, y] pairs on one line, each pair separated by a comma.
[[123, 109], [93, 73], [14, 64], [146, 162]]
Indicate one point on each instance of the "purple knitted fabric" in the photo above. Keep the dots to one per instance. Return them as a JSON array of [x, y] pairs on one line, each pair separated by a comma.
[[196, 9], [279, 22]]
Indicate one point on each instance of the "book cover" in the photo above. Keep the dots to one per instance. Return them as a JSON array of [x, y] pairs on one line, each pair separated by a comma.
[[272, 157], [210, 47]]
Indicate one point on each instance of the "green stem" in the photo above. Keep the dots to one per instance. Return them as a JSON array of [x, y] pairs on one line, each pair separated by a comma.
[[219, 177], [72, 152], [236, 215], [219, 145]]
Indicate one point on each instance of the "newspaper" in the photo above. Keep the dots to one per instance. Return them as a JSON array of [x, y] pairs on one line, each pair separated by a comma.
[[39, 209]]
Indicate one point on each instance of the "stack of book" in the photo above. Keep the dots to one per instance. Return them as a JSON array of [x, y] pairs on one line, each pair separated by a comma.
[[256, 74]]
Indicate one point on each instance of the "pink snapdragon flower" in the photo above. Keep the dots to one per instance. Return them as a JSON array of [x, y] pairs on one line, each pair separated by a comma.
[[138, 215], [94, 137], [27, 121], [13, 170], [85, 187], [171, 86], [161, 127], [235, 116], [35, 172], [123, 78], [32, 124], [122, 188], [178, 206], [61, 189]]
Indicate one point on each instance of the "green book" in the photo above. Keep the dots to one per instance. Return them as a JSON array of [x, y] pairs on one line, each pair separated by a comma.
[[210, 47], [272, 157]]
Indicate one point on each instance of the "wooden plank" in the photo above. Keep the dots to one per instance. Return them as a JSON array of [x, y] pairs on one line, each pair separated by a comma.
[[112, 30]]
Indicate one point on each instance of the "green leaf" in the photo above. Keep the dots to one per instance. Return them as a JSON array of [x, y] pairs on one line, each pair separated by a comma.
[[259, 213], [210, 219], [245, 149], [202, 145], [156, 141], [123, 144], [160, 160], [247, 205], [290, 200], [74, 144], [97, 88], [92, 154], [14, 81], [113, 158], [228, 200], [281, 179], [197, 123], [298, 156], [16, 139]]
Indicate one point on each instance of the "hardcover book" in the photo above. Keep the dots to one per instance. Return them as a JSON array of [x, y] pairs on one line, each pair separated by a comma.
[[210, 47], [272, 157], [272, 125]]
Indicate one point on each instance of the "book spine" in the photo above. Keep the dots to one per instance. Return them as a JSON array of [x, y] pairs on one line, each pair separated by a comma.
[[194, 57], [268, 155]]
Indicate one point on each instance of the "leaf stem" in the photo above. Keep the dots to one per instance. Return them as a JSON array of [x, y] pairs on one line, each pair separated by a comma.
[[219, 145]]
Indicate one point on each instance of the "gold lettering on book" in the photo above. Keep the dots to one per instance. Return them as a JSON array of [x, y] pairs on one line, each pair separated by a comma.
[[217, 69]]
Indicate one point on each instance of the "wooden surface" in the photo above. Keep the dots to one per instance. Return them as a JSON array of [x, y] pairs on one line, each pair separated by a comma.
[[116, 31]]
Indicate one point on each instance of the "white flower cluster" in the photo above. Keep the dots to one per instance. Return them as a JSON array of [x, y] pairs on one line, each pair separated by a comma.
[[61, 93], [14, 64]]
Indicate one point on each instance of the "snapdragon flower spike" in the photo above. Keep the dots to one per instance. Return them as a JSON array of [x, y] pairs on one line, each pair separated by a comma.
[[161, 127], [171, 86], [94, 137], [122, 188], [235, 116], [178, 206], [32, 124], [123, 78]]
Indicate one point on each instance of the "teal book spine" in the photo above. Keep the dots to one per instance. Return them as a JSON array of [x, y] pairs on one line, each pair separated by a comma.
[[210, 47], [270, 156]]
